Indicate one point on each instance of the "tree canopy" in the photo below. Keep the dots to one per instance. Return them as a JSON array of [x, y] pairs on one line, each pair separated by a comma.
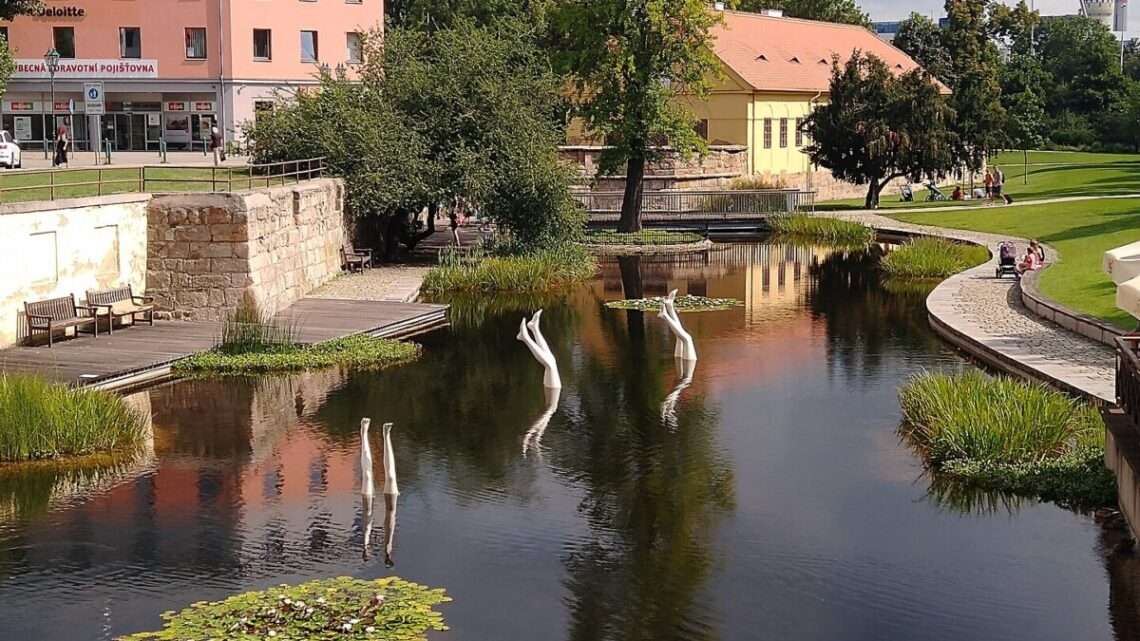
[[441, 14], [844, 11], [629, 60], [877, 127], [11, 8], [975, 67], [921, 39]]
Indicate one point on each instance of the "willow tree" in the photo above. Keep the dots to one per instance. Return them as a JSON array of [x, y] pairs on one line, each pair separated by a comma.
[[629, 61]]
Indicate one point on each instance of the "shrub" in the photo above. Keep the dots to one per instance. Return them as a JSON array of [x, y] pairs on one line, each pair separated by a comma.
[[932, 258], [342, 608], [819, 228], [357, 352], [540, 271], [40, 419], [644, 237], [756, 183], [248, 329], [1008, 435]]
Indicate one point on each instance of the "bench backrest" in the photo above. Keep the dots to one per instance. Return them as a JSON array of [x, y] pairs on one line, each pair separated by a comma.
[[62, 308], [108, 296]]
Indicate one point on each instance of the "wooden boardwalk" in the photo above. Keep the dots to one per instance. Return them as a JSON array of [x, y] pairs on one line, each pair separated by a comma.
[[143, 354]]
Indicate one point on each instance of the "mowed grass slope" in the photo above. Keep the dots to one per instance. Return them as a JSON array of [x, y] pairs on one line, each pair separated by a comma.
[[1081, 231], [1050, 175]]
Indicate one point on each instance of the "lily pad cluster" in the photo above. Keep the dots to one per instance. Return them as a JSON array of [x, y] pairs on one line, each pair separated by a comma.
[[686, 303], [342, 609]]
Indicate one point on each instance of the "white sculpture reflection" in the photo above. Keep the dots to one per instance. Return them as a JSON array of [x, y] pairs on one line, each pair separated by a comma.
[[366, 501], [533, 438], [531, 336], [669, 405], [366, 486], [684, 347], [391, 495]]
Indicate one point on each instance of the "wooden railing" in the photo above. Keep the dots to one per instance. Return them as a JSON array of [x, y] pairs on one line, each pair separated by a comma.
[[726, 204], [1128, 376], [51, 184]]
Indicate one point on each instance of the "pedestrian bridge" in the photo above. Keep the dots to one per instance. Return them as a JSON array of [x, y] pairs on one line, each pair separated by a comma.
[[705, 209]]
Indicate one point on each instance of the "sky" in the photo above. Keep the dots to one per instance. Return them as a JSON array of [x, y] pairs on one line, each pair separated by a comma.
[[898, 9]]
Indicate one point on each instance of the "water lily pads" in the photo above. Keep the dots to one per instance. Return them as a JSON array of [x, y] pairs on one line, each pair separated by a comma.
[[686, 303]]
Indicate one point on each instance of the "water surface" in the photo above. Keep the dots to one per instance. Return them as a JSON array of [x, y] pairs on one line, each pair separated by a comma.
[[767, 498]]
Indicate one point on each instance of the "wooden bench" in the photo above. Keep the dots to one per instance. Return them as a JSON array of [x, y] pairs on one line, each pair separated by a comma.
[[120, 302], [356, 258], [58, 313]]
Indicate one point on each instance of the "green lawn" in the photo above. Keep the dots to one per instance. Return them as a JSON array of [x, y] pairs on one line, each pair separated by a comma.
[[79, 183], [1050, 175], [1081, 231]]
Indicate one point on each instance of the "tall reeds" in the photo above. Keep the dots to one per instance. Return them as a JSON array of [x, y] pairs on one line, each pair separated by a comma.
[[802, 227], [540, 271], [932, 258]]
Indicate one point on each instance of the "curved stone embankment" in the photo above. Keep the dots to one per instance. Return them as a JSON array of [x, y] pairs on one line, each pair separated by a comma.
[[648, 250], [987, 318]]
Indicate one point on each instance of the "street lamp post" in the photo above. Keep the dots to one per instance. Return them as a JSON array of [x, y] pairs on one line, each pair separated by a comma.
[[51, 60]]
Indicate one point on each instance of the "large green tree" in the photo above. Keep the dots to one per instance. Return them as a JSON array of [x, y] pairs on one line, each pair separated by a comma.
[[439, 14], [1083, 61], [921, 39], [1016, 25], [877, 127], [1023, 98], [629, 61], [7, 65], [975, 66], [11, 8], [845, 11]]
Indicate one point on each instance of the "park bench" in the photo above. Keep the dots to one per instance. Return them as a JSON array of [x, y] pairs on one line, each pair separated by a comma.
[[120, 302], [353, 258], [58, 313]]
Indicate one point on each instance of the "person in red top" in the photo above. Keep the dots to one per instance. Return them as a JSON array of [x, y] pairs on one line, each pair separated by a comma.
[[62, 145]]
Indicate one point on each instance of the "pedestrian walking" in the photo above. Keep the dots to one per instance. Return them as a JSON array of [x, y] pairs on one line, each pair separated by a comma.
[[62, 145], [217, 145], [989, 181], [999, 182]]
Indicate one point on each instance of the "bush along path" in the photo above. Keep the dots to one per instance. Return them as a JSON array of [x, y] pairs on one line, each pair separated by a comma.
[[984, 316]]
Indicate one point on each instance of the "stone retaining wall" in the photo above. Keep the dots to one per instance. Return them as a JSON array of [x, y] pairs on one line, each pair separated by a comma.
[[207, 251]]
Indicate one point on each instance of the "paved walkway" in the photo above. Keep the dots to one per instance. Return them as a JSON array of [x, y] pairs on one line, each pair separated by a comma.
[[399, 283], [985, 316]]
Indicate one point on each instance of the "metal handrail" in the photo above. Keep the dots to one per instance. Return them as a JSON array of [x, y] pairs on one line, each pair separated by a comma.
[[1128, 376], [222, 179]]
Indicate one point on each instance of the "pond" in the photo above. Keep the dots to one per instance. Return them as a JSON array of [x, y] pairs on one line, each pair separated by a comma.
[[770, 497]]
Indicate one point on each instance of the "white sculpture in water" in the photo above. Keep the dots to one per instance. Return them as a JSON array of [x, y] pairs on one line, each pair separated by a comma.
[[669, 405], [366, 485], [533, 438], [389, 463], [531, 335], [684, 347]]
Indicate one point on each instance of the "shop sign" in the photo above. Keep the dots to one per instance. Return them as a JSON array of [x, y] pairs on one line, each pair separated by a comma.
[[23, 127], [21, 106], [152, 120], [60, 12], [176, 106], [204, 106], [66, 106], [86, 68]]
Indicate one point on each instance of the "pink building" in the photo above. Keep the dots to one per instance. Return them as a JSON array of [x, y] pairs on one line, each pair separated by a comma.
[[171, 68]]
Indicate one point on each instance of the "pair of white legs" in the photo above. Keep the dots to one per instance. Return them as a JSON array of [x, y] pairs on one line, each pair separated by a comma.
[[391, 490], [683, 348], [531, 336]]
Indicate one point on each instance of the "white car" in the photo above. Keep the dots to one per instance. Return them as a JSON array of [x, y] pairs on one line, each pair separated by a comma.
[[9, 151]]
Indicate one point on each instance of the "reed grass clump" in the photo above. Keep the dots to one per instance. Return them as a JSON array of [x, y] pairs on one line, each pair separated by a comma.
[[802, 227], [1008, 435], [41, 420], [541, 271], [932, 258], [655, 237], [248, 329]]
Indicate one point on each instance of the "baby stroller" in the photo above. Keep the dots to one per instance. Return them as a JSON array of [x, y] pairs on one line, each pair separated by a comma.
[[1007, 260], [933, 192], [906, 195]]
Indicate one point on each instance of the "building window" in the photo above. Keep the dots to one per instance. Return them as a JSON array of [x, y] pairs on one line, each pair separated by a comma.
[[196, 43], [130, 42], [309, 47], [799, 132], [355, 48], [63, 39], [783, 133], [262, 44], [702, 129], [767, 133]]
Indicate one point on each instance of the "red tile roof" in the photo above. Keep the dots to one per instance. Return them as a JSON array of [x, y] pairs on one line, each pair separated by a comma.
[[793, 55]]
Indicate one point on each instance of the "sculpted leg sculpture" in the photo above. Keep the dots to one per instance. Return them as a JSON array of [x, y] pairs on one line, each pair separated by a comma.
[[669, 405], [366, 485], [391, 495], [531, 336], [684, 347], [533, 436]]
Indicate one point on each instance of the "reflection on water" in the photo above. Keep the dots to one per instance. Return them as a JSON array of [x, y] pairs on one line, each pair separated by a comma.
[[764, 494]]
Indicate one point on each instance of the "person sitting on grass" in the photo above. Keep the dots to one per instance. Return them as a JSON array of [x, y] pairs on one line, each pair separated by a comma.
[[1029, 262], [1039, 250], [957, 195]]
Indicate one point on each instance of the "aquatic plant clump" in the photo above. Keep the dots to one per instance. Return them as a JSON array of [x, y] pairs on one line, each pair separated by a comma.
[[40, 419], [820, 228], [388, 609], [547, 270], [357, 352], [656, 237], [1006, 434], [932, 258], [686, 303]]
